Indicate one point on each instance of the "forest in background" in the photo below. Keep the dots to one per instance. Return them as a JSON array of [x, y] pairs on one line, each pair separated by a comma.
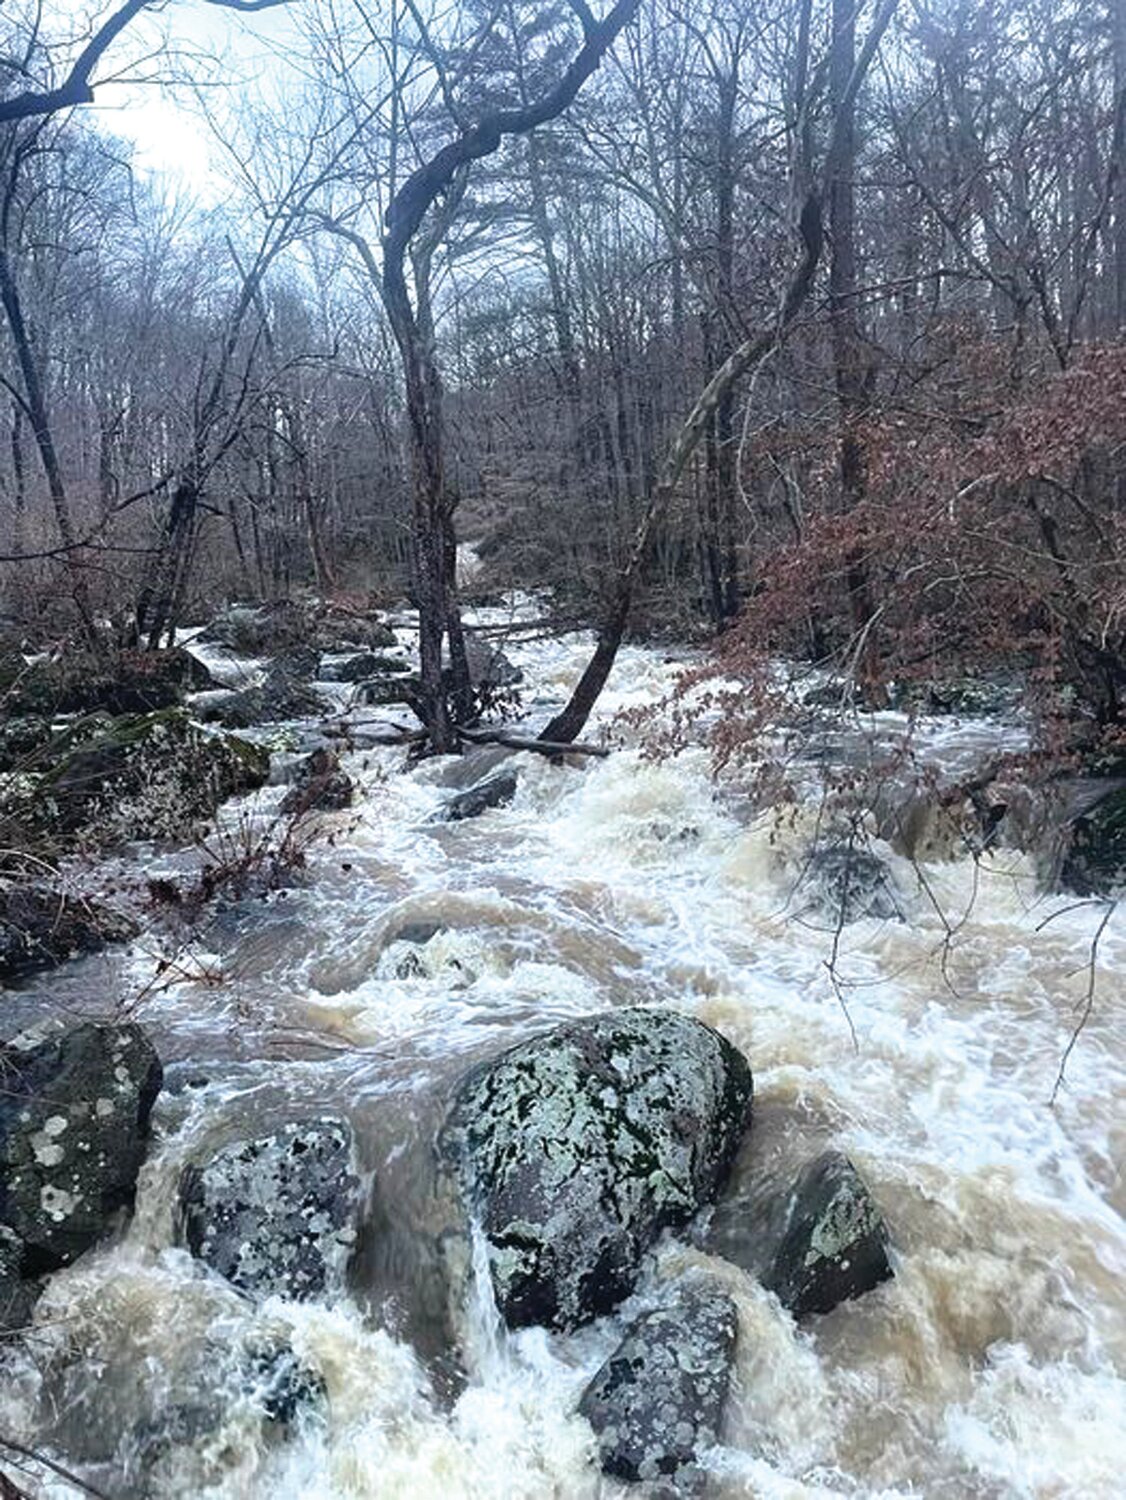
[[799, 321]]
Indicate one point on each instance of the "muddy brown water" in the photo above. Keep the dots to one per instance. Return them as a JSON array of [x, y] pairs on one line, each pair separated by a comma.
[[991, 1366]]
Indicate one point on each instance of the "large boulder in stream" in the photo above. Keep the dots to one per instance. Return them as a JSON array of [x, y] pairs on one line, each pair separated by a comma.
[[74, 1115], [573, 1150], [660, 1397], [278, 1215], [142, 776], [121, 682]]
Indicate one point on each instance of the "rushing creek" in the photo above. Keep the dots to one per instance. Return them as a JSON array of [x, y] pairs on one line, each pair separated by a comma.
[[991, 1366]]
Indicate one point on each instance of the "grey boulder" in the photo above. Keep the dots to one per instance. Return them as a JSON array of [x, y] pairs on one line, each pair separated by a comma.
[[573, 1150], [74, 1115], [279, 1214], [659, 1399], [835, 1243], [497, 791]]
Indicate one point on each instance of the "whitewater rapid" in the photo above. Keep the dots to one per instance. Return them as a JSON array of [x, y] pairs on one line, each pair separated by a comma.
[[990, 1367]]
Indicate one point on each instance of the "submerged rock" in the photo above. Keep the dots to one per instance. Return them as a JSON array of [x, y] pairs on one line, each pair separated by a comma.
[[845, 883], [574, 1149], [834, 1245], [319, 785], [41, 926], [497, 791], [659, 1399], [280, 1214], [74, 1116]]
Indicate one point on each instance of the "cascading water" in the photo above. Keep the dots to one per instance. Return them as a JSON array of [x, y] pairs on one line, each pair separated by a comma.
[[989, 1367]]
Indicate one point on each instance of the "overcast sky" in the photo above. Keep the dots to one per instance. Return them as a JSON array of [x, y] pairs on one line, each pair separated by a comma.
[[163, 121]]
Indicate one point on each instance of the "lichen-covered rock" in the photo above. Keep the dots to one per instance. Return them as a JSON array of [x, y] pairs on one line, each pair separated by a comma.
[[279, 1214], [145, 776], [74, 1114], [41, 926], [319, 786], [659, 1399], [834, 1245], [497, 791], [574, 1149]]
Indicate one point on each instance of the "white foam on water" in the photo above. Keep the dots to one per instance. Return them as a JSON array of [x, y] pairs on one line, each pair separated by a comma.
[[990, 1367]]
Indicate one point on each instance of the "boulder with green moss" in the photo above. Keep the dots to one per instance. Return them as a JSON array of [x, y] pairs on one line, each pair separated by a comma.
[[573, 1150], [140, 776], [121, 682]]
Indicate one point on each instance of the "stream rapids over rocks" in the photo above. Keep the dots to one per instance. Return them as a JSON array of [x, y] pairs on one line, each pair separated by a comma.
[[990, 1365]]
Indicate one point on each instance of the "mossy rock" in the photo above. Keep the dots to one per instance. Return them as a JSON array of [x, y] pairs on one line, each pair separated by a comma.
[[127, 682], [140, 776]]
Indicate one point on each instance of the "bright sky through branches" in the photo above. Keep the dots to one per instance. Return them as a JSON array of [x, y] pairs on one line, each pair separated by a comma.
[[223, 53]]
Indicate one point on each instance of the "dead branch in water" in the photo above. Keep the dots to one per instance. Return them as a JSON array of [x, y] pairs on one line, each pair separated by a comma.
[[525, 742], [49, 1463]]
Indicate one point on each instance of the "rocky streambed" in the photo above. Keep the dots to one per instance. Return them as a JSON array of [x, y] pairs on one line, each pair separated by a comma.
[[520, 1144]]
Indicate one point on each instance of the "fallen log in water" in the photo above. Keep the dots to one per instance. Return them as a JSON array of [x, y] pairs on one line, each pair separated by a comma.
[[525, 742]]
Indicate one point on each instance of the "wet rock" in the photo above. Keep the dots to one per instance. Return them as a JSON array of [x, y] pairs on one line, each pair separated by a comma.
[[279, 1384], [269, 628], [277, 1215], [41, 926], [337, 630], [125, 682], [488, 665], [319, 785], [18, 1295], [1095, 860], [74, 1116], [363, 666], [21, 740], [280, 697], [659, 1399], [138, 777], [497, 791], [574, 1149], [386, 692], [844, 882], [834, 1245], [300, 662]]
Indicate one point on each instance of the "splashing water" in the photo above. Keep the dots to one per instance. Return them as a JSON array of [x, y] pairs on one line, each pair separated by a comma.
[[991, 1366]]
